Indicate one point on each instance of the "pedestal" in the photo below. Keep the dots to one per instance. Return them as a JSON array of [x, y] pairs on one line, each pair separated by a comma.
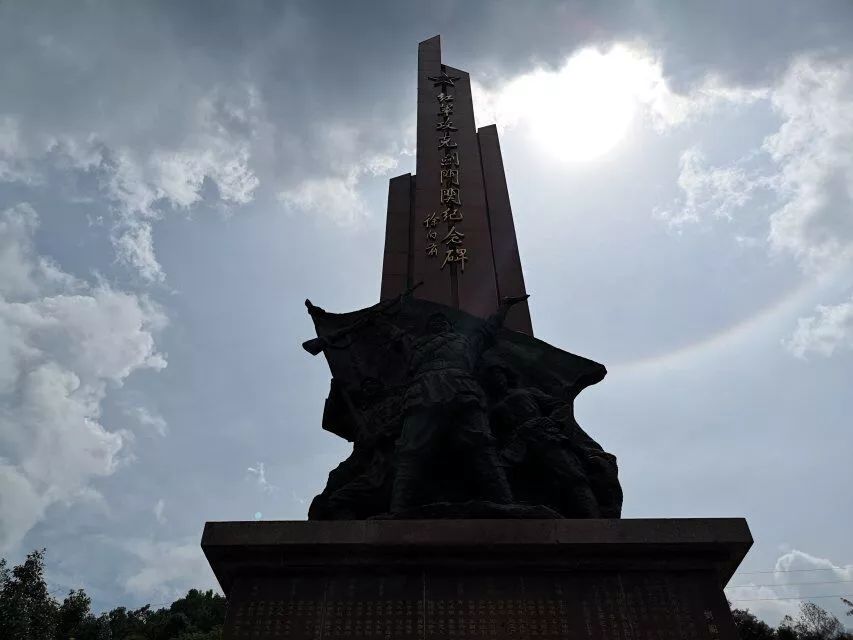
[[464, 579]]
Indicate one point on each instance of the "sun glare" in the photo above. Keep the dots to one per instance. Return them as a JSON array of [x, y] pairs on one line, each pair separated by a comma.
[[581, 111]]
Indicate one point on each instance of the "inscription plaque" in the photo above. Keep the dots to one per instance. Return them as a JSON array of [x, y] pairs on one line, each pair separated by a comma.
[[290, 607], [436, 605]]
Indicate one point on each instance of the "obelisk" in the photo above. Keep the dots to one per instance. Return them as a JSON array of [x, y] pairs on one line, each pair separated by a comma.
[[450, 225]]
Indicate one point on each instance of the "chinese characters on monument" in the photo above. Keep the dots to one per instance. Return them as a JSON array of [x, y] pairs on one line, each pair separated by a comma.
[[450, 199]]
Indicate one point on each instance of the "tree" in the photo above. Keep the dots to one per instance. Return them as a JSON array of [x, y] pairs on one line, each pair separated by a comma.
[[204, 609], [749, 627], [849, 604], [27, 611], [128, 625], [786, 632], [813, 623], [72, 615]]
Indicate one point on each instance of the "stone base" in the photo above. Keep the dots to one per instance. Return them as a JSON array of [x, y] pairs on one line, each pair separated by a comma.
[[461, 579]]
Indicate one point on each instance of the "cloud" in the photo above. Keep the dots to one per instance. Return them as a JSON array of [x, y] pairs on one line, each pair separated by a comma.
[[812, 152], [337, 197], [167, 569], [709, 191], [64, 343], [148, 419], [14, 167], [134, 246], [807, 168], [209, 113], [810, 174], [775, 595], [159, 506], [825, 332], [143, 184], [145, 168], [259, 471], [595, 95], [808, 171], [334, 197]]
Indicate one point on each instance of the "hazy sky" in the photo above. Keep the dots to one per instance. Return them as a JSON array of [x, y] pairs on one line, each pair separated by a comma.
[[176, 178]]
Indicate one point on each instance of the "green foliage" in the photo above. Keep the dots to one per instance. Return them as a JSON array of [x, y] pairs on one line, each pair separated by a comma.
[[128, 625], [29, 612], [749, 627], [814, 623], [203, 609]]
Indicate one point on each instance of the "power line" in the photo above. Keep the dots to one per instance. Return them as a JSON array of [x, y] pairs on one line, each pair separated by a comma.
[[789, 584], [748, 573], [839, 595]]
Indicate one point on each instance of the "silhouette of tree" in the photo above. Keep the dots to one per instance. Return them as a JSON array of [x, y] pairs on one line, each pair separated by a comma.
[[813, 623], [27, 612], [749, 627]]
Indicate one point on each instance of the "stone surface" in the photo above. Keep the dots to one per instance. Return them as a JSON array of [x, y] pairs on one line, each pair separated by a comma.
[[597, 579]]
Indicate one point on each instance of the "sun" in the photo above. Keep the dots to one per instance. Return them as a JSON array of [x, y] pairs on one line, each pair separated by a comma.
[[581, 111], [585, 110]]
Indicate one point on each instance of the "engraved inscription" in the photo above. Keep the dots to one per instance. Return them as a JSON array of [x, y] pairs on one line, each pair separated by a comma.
[[465, 606]]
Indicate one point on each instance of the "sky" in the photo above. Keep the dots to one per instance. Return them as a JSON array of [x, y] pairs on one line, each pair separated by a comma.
[[176, 179]]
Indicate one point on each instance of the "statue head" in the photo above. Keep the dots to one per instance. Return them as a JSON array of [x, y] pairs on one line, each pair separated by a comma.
[[438, 323]]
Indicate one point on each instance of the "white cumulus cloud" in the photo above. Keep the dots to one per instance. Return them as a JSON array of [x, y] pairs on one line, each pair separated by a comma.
[[64, 343], [812, 152], [796, 576], [825, 332], [141, 176], [807, 167], [167, 569], [337, 197], [714, 191]]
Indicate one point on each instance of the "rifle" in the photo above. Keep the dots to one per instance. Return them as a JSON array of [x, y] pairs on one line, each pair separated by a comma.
[[316, 345]]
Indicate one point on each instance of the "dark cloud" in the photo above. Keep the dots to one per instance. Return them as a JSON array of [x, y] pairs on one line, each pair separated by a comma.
[[132, 74]]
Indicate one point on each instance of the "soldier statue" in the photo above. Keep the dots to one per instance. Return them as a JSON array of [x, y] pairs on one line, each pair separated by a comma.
[[546, 449], [443, 399]]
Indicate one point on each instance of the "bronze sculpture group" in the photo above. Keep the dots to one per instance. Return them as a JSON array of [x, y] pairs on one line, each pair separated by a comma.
[[453, 416]]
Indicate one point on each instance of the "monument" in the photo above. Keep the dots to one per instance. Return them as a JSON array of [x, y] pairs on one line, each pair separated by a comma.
[[473, 505]]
